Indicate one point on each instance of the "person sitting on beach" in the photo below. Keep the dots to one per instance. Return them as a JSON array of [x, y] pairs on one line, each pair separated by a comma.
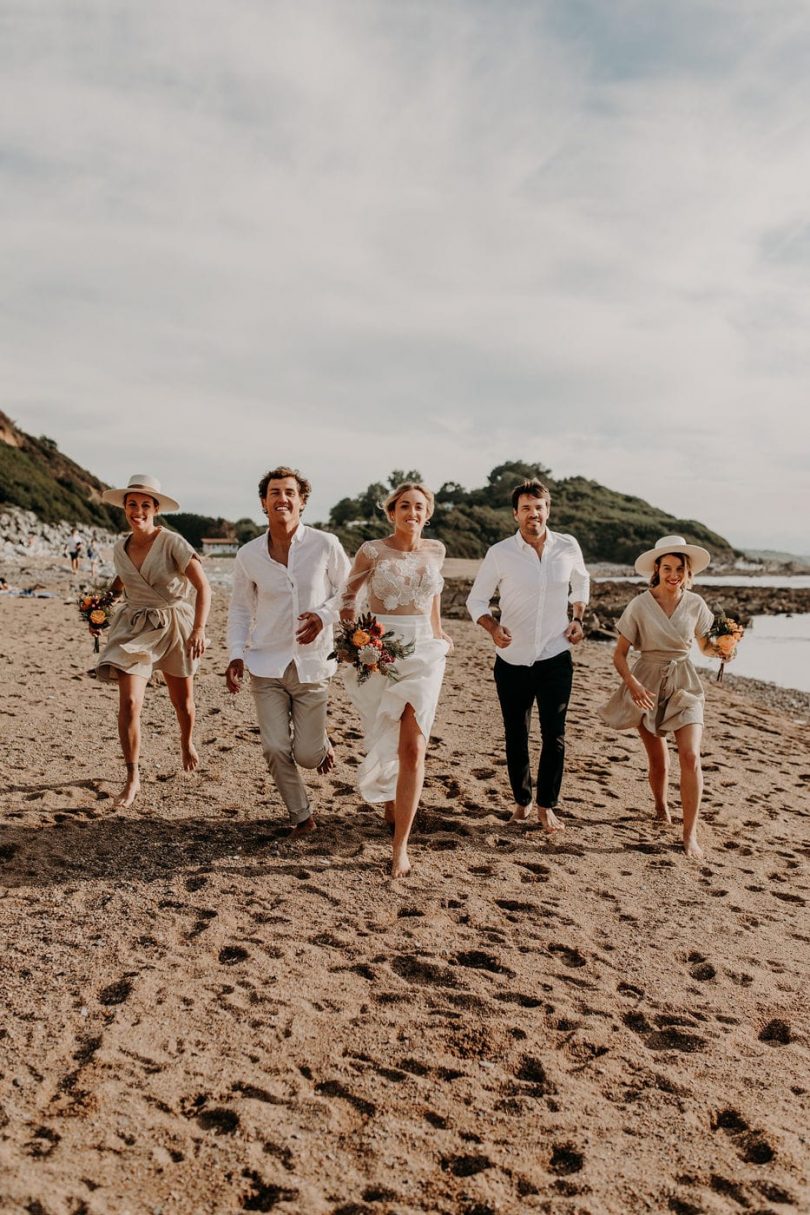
[[285, 599], [662, 694], [156, 627]]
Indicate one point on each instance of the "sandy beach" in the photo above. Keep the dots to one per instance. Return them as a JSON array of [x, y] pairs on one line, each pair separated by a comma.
[[201, 1017]]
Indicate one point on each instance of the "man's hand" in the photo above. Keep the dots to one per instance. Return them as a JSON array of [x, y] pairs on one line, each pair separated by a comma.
[[575, 632], [498, 632], [234, 675], [310, 627]]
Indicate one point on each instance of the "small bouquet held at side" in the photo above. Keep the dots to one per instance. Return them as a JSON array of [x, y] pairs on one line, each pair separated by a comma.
[[365, 645], [725, 634], [95, 607]]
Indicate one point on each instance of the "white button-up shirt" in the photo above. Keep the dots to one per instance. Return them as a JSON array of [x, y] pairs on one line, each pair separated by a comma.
[[268, 598], [534, 593]]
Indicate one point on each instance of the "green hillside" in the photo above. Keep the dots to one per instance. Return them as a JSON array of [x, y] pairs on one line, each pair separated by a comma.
[[35, 475], [610, 526]]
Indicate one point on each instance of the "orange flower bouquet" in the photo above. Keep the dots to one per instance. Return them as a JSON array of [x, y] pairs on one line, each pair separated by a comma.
[[95, 607], [365, 645], [726, 634]]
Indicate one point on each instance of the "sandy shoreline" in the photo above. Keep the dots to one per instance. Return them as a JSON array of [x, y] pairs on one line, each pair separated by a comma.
[[201, 1017]]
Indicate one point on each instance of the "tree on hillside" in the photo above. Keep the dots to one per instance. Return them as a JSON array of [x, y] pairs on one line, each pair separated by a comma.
[[610, 526]]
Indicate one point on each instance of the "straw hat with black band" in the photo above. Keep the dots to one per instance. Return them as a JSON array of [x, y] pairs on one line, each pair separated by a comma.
[[141, 483], [698, 557]]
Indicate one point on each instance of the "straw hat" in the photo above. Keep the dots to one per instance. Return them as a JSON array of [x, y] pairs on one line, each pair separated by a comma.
[[141, 483], [700, 557]]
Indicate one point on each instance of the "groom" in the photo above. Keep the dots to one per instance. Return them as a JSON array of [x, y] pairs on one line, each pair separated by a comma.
[[533, 571], [286, 597]]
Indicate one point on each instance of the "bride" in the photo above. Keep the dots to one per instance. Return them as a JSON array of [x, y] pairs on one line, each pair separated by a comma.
[[403, 584]]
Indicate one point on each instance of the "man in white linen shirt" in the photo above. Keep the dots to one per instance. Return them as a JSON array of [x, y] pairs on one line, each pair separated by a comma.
[[533, 571], [286, 591]]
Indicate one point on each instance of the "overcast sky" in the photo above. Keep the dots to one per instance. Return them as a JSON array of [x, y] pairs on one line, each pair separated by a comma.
[[355, 236]]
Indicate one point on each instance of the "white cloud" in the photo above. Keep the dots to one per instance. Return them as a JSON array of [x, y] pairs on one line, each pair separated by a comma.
[[355, 236]]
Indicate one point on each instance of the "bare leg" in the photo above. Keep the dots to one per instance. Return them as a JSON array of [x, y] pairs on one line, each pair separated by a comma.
[[520, 814], [412, 745], [388, 814], [303, 828], [181, 693], [548, 819], [688, 740], [658, 771], [131, 689]]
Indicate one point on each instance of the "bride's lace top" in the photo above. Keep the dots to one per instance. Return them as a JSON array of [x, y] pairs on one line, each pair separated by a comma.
[[396, 583]]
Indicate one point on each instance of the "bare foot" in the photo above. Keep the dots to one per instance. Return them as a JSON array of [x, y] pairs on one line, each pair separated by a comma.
[[662, 814], [328, 761], [304, 828], [400, 865], [692, 848], [520, 814], [130, 791], [190, 758], [548, 820]]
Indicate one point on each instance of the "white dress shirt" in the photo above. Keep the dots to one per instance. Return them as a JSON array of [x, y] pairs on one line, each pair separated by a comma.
[[268, 598], [534, 594]]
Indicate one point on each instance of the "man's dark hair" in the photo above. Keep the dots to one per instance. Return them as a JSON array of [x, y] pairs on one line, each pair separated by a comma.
[[278, 474], [532, 489]]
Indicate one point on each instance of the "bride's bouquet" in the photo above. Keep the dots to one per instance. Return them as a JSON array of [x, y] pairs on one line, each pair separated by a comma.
[[365, 645], [725, 633], [95, 607]]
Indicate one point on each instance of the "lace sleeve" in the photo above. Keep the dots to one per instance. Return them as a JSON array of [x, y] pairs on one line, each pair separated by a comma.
[[358, 576]]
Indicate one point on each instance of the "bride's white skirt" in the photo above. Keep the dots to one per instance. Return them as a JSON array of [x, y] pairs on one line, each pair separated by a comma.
[[381, 703]]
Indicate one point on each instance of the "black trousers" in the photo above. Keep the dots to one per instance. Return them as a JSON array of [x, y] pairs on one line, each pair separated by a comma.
[[549, 683]]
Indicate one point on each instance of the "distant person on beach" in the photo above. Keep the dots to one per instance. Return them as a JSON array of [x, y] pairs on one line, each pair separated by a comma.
[[74, 551], [156, 628], [663, 694], [93, 556], [402, 577], [285, 600], [533, 571]]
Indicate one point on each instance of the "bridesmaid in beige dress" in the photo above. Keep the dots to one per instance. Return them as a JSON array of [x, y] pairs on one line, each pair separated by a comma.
[[662, 694], [156, 627]]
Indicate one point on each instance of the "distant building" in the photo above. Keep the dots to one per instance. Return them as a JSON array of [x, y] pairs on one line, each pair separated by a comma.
[[219, 546]]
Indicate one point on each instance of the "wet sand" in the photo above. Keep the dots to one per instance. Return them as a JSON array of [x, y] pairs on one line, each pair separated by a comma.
[[201, 1017]]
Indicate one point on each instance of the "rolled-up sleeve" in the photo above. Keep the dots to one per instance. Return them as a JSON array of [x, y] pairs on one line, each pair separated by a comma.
[[338, 568], [580, 578], [241, 611], [483, 588]]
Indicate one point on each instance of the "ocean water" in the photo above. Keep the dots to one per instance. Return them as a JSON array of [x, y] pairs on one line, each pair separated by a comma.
[[774, 648]]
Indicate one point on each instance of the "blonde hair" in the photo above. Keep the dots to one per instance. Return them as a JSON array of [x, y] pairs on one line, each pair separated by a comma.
[[406, 486], [687, 568]]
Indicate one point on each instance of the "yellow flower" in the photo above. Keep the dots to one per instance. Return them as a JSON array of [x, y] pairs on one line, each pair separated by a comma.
[[98, 617], [87, 601], [360, 638]]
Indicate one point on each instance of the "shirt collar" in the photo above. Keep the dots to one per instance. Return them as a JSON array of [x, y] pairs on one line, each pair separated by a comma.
[[524, 547]]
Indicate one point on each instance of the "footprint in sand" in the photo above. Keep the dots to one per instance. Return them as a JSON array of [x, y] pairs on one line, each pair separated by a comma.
[[115, 993], [752, 1146], [776, 1033], [263, 1196]]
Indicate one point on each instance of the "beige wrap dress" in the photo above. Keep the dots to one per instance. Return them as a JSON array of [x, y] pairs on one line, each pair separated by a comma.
[[664, 666], [153, 624]]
